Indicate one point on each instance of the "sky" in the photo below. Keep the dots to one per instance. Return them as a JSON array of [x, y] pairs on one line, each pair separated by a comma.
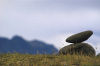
[[51, 21]]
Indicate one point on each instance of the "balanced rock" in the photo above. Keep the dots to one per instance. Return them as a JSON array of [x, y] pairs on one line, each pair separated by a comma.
[[80, 37], [79, 48]]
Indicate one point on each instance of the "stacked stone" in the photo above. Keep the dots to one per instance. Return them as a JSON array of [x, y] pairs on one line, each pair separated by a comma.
[[77, 46]]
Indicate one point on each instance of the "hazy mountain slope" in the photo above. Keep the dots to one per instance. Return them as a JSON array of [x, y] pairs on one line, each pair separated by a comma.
[[18, 44]]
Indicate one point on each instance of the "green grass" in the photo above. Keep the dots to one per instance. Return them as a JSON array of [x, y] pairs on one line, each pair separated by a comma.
[[47, 60]]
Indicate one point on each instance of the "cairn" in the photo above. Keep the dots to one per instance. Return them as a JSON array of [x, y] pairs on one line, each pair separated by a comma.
[[78, 47]]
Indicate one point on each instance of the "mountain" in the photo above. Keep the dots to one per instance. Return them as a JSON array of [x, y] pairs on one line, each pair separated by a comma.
[[20, 45], [42, 47]]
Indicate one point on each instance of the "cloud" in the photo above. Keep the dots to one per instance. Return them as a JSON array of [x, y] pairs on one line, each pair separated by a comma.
[[32, 15], [37, 23]]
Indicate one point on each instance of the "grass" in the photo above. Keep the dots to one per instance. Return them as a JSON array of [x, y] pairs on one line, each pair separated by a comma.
[[17, 59]]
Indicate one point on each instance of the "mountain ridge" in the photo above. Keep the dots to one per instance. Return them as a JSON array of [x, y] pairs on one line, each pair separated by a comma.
[[20, 45]]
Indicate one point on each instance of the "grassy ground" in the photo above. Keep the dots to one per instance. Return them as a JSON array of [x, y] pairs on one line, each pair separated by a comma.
[[47, 60]]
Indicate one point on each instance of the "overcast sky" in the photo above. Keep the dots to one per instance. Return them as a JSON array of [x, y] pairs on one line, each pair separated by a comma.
[[51, 21]]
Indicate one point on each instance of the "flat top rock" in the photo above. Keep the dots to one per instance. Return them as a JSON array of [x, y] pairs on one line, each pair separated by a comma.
[[79, 37]]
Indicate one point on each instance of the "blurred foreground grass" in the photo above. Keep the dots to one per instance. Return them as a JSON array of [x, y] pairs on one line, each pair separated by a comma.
[[17, 59]]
